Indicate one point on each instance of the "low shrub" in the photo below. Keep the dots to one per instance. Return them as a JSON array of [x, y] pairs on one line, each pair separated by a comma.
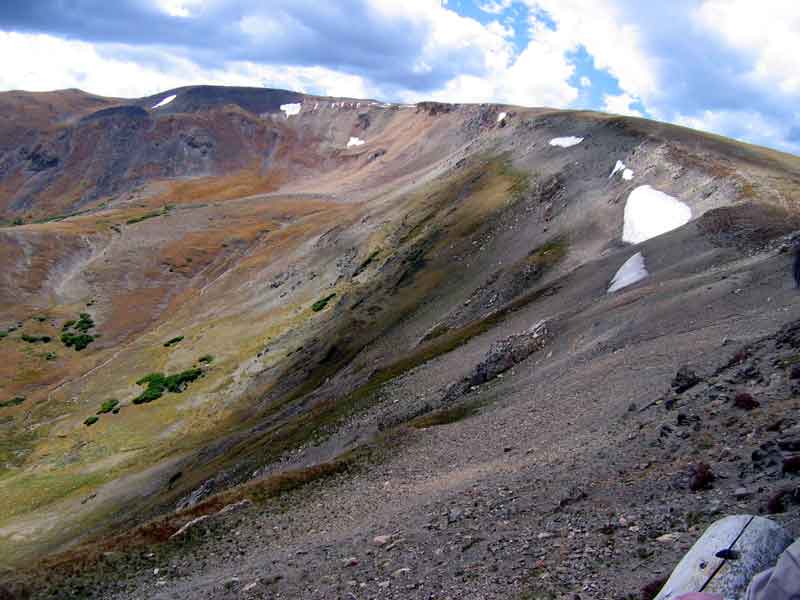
[[78, 341], [36, 339], [173, 341], [15, 401], [206, 358], [85, 322], [158, 383], [91, 421], [108, 406], [322, 303]]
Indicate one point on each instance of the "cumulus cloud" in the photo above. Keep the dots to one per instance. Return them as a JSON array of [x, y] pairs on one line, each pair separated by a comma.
[[620, 104]]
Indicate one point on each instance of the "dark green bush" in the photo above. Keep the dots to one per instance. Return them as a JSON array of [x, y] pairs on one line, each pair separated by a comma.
[[85, 322], [206, 358], [157, 384], [77, 341], [91, 421], [322, 303], [50, 356], [16, 401], [108, 406], [178, 382], [36, 339], [68, 324], [173, 341]]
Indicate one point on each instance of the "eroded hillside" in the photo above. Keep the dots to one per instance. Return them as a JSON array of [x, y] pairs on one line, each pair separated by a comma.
[[217, 294]]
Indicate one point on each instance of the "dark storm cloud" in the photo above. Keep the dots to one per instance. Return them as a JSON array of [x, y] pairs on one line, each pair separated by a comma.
[[346, 35]]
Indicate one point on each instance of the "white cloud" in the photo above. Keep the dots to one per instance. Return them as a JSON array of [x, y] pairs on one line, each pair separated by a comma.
[[495, 7], [537, 76], [615, 45], [585, 82], [768, 32], [620, 104], [179, 8], [54, 63]]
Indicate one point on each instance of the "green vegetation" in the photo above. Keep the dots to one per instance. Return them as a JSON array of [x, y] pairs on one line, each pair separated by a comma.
[[79, 341], [549, 253], [91, 421], [85, 322], [40, 318], [150, 215], [36, 339], [206, 358], [158, 383], [322, 303], [3, 334], [108, 406], [15, 401], [50, 356], [173, 341]]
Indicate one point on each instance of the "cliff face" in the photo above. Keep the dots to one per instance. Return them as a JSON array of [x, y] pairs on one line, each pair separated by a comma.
[[273, 281]]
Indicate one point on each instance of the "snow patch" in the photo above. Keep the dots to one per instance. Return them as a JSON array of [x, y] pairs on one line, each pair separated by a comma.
[[501, 116], [354, 141], [291, 109], [627, 174], [649, 213], [566, 142], [631, 271], [165, 101]]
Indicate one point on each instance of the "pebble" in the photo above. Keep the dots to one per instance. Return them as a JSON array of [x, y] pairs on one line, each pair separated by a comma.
[[381, 540]]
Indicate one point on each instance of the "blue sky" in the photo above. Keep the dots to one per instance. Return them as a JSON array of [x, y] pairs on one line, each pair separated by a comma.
[[728, 66]]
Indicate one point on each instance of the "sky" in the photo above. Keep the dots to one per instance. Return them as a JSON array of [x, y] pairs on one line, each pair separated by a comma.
[[727, 66]]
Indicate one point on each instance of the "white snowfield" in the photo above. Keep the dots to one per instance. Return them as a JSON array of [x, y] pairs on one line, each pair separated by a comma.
[[566, 142], [165, 101], [631, 271], [627, 174], [649, 213], [291, 109], [501, 116], [354, 141]]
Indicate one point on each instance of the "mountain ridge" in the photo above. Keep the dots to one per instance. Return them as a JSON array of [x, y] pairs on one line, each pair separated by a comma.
[[340, 293]]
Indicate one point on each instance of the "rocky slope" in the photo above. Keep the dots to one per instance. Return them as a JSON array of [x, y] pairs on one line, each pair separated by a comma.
[[379, 339]]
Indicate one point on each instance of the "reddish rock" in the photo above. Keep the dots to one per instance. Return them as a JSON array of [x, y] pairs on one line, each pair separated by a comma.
[[791, 464], [701, 477], [745, 401], [650, 590]]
